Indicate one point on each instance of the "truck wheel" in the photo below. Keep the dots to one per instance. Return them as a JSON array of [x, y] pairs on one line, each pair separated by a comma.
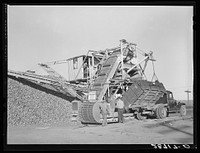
[[161, 112], [167, 112], [139, 116], [183, 110]]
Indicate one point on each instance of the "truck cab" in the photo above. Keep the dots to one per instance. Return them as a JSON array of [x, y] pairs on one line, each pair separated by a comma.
[[175, 106], [172, 103]]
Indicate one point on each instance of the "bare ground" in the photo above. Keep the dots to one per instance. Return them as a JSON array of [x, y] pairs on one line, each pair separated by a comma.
[[171, 130]]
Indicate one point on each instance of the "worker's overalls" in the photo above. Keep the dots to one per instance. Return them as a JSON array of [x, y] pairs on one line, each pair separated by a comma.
[[104, 112], [112, 106], [120, 115]]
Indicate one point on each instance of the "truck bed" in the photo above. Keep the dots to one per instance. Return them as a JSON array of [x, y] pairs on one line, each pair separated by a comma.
[[143, 93]]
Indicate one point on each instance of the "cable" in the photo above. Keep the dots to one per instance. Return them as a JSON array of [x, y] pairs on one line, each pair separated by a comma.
[[154, 74], [143, 53], [143, 71]]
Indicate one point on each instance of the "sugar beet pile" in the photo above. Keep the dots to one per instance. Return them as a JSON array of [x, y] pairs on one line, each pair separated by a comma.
[[31, 104]]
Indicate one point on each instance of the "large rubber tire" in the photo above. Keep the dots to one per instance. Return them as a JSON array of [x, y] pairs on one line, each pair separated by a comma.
[[183, 110], [161, 112]]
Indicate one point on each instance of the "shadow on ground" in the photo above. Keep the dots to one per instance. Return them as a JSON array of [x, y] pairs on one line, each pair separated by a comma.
[[173, 129]]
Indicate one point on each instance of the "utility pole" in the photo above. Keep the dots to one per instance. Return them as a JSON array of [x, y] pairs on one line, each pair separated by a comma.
[[188, 92]]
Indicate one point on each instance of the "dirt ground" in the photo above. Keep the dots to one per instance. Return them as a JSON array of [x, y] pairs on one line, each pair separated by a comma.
[[171, 130]]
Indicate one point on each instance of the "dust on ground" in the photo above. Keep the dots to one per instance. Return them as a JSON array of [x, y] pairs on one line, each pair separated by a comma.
[[171, 130]]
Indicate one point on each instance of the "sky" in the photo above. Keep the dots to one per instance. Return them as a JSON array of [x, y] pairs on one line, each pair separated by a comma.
[[39, 34]]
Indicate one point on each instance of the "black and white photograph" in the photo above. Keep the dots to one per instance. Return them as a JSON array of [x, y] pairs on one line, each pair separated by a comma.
[[100, 74]]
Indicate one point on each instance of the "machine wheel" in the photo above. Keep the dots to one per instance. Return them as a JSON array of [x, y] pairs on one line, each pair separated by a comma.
[[89, 112], [161, 111], [183, 110], [139, 116]]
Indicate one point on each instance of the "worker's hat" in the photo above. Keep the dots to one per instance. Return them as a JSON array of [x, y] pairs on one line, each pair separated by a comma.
[[119, 95]]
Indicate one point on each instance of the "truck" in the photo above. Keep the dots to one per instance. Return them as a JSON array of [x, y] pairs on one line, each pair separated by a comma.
[[150, 99]]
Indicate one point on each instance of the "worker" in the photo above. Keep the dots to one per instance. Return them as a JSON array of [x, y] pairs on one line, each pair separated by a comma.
[[104, 109], [120, 108], [112, 101], [86, 70]]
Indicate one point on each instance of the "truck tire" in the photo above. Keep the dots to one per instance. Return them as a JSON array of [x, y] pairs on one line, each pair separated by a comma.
[[183, 110], [161, 111]]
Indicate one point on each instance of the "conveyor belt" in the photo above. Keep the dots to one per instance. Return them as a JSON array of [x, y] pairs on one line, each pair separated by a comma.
[[108, 70], [39, 78]]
